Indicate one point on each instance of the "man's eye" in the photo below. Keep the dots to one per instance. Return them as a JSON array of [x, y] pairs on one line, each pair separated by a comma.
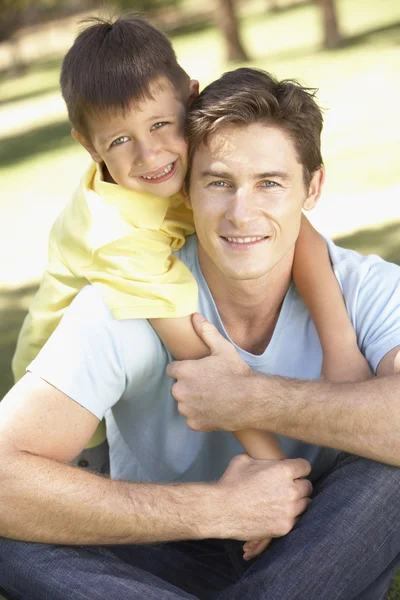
[[120, 140], [218, 184], [269, 184], [159, 125]]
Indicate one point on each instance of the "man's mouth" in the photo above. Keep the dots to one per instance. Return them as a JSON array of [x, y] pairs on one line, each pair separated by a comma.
[[161, 174], [245, 240]]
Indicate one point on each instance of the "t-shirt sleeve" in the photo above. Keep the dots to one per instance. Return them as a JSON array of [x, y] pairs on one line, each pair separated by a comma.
[[82, 358], [378, 311]]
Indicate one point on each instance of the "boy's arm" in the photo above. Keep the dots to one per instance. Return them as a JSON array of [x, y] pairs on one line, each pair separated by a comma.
[[321, 293]]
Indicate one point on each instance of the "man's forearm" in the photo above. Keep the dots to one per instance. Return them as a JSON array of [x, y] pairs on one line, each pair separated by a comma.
[[360, 418], [45, 501]]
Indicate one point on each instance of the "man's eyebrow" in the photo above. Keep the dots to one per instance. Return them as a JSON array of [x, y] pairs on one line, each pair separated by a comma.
[[225, 175], [272, 175], [218, 174]]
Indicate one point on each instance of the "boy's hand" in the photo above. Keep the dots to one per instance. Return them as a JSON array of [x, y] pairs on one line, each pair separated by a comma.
[[212, 392], [254, 548]]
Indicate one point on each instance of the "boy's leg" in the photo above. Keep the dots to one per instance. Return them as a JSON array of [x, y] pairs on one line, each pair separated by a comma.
[[343, 544], [165, 572]]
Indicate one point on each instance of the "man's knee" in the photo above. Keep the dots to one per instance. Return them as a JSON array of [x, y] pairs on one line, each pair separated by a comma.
[[362, 477]]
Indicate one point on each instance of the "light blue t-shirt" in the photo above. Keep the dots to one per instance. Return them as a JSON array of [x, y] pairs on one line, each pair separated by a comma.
[[116, 369]]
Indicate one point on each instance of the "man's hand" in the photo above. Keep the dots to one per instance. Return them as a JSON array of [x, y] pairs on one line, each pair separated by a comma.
[[211, 392], [263, 499]]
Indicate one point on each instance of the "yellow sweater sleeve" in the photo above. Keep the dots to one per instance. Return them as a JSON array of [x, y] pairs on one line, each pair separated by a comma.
[[120, 242], [139, 277]]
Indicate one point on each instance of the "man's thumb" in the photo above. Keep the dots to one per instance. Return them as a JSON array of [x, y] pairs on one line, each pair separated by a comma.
[[209, 334]]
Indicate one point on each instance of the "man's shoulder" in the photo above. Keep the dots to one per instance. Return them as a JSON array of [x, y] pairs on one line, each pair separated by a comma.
[[188, 253], [354, 269]]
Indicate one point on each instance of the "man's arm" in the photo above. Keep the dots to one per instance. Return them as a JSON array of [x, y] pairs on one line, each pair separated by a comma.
[[360, 418], [43, 499]]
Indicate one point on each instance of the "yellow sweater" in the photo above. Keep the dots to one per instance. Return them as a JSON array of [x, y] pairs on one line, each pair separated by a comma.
[[121, 242]]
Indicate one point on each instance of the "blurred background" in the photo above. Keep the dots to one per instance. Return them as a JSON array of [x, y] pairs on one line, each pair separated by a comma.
[[348, 49]]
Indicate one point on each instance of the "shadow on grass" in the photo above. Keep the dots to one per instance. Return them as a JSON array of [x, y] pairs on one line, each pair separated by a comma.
[[18, 148], [28, 95], [384, 240], [388, 35], [13, 308], [36, 66]]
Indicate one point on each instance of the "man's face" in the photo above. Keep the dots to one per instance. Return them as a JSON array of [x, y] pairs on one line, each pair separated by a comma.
[[247, 193], [143, 148]]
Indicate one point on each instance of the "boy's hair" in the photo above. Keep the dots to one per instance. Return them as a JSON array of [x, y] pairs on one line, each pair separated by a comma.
[[112, 64], [251, 96]]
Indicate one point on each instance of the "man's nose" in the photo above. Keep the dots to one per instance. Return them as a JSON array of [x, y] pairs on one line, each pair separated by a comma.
[[146, 152], [242, 208]]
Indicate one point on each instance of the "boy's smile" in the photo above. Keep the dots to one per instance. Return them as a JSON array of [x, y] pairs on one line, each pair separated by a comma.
[[143, 147]]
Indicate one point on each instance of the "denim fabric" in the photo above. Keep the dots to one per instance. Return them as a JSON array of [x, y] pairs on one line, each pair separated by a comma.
[[346, 547]]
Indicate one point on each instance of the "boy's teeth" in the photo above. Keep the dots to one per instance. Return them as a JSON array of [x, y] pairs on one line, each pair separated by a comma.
[[245, 240], [164, 172]]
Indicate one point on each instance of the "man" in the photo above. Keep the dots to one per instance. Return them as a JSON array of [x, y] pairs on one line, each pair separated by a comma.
[[346, 544]]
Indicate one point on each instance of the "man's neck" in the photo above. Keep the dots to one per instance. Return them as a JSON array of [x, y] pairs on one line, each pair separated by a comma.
[[249, 309]]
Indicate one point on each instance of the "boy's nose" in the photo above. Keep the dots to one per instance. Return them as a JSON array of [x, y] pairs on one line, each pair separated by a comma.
[[146, 153]]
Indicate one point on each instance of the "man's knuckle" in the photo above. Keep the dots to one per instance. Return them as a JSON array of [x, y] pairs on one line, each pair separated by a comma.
[[286, 525], [292, 494]]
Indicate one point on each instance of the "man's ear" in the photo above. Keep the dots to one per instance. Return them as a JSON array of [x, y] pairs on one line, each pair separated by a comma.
[[194, 87], [86, 144], [315, 188]]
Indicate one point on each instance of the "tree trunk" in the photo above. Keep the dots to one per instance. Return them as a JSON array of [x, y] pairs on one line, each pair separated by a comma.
[[332, 35], [227, 22], [272, 6]]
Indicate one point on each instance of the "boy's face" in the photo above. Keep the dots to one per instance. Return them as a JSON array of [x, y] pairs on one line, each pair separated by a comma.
[[143, 148]]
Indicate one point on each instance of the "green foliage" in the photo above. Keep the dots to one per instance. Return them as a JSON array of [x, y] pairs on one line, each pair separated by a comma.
[[17, 13], [147, 5]]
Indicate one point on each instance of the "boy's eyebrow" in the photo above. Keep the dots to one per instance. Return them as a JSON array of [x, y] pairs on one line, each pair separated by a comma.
[[161, 117], [103, 139]]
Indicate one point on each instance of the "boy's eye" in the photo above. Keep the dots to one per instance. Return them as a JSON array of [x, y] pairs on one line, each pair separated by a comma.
[[121, 140], [159, 125]]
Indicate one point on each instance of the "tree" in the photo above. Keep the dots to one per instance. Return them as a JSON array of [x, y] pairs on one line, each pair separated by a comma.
[[333, 37], [227, 21]]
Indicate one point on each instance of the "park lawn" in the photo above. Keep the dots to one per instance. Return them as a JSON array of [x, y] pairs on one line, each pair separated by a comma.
[[358, 85]]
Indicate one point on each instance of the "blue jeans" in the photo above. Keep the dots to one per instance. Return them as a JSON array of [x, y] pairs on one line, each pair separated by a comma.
[[345, 547]]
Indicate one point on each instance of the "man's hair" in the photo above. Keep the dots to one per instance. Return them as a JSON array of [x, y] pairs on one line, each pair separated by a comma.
[[251, 96], [113, 63]]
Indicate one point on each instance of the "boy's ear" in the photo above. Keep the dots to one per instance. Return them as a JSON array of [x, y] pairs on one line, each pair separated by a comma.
[[315, 189], [86, 144], [194, 87]]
